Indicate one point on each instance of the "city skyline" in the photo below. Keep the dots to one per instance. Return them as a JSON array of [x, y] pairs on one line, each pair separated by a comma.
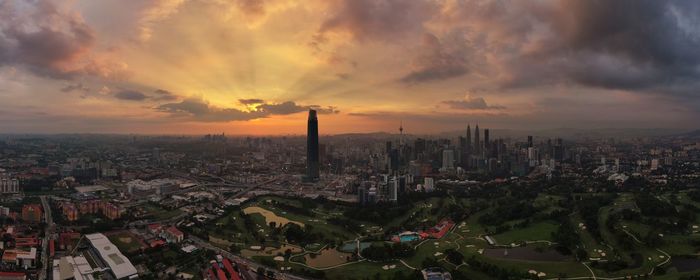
[[253, 67]]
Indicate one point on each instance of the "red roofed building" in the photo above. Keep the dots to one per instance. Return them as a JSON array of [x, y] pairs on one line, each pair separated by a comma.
[[52, 248], [12, 275], [230, 270], [440, 229], [156, 243], [220, 273], [173, 235], [210, 275], [32, 213], [67, 240], [155, 229], [26, 242]]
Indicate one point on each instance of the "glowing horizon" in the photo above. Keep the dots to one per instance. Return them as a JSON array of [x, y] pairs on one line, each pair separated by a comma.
[[254, 67]]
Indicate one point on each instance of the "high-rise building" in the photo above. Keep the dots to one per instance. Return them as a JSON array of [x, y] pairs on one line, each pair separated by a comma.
[[8, 185], [312, 147], [486, 139], [477, 141], [394, 160], [469, 140], [654, 164], [448, 158], [529, 141], [393, 189], [428, 184], [362, 194]]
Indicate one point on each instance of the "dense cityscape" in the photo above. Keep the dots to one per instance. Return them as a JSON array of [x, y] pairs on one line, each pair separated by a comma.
[[357, 206], [349, 139]]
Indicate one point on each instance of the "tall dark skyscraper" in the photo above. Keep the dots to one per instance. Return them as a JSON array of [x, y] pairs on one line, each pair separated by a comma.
[[468, 148], [477, 141], [529, 141], [486, 139], [312, 147]]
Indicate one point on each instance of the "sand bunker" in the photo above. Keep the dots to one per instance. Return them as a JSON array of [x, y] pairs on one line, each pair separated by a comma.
[[270, 216]]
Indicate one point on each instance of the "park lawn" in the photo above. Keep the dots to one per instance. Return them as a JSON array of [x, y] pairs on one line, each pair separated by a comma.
[[428, 249], [471, 245], [552, 269], [473, 226], [415, 213], [638, 229], [234, 230], [684, 198], [546, 200], [680, 244], [589, 243], [474, 274], [158, 213], [673, 274], [608, 237], [125, 241], [626, 201], [327, 230], [366, 270], [533, 232], [624, 255]]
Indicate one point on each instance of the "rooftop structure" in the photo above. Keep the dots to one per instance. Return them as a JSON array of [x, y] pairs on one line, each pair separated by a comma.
[[4, 275], [120, 266], [26, 259], [69, 267]]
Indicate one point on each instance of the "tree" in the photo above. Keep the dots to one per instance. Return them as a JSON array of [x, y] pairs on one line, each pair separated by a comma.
[[454, 257]]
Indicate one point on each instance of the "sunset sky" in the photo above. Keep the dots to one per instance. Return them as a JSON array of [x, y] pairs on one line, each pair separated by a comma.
[[257, 66]]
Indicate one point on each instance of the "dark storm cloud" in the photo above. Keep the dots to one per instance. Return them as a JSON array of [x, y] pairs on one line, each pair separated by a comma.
[[644, 46], [46, 41], [290, 107], [471, 103], [284, 108], [163, 95], [131, 95], [374, 19], [324, 110], [75, 87], [200, 110], [437, 62], [251, 101], [137, 95]]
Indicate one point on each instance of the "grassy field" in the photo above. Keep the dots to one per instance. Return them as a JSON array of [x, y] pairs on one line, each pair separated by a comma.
[[466, 238], [231, 226], [536, 231], [159, 213], [125, 241]]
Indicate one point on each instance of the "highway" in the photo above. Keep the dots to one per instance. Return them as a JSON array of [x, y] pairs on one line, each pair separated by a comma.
[[48, 230]]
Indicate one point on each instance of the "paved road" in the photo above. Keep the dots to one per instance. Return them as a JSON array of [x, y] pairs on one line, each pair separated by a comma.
[[48, 230]]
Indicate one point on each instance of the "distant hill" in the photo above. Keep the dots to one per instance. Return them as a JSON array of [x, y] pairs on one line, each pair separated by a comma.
[[694, 133]]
